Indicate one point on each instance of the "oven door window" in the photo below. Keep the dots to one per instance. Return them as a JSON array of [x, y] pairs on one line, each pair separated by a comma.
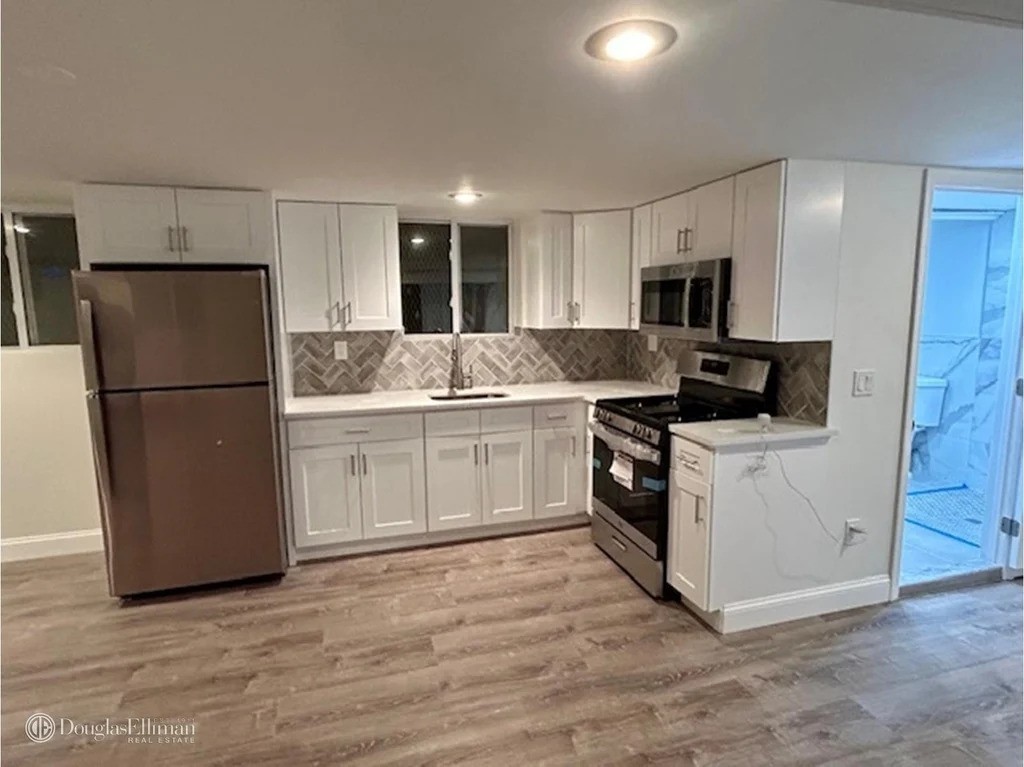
[[662, 302], [637, 496]]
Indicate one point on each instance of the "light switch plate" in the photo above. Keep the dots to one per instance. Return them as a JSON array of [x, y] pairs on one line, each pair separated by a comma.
[[652, 343], [863, 383], [341, 350]]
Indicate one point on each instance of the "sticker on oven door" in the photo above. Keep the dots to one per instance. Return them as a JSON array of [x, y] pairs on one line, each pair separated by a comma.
[[596, 462], [622, 470], [655, 485]]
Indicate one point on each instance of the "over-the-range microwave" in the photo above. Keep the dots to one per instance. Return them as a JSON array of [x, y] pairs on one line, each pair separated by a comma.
[[688, 300]]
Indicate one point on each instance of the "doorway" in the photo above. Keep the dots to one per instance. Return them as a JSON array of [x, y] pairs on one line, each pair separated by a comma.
[[961, 500]]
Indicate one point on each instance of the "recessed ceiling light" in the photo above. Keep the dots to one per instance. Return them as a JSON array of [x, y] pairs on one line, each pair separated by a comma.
[[417, 240], [465, 196], [630, 40]]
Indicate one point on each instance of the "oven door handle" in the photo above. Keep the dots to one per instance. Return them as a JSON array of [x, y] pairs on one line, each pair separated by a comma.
[[624, 444]]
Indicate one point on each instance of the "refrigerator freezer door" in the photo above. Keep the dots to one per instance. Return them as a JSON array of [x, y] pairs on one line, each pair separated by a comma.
[[188, 487], [172, 328]]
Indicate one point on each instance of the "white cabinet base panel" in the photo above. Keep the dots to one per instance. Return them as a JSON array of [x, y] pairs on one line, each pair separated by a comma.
[[311, 554]]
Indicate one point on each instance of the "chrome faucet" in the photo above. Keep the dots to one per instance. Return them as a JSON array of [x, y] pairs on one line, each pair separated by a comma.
[[457, 379]]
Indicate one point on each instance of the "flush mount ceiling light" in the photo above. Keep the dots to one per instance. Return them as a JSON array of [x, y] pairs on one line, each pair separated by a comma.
[[631, 40], [465, 196]]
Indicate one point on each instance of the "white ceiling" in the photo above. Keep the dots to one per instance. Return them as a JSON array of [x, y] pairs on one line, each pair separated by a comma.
[[405, 100]]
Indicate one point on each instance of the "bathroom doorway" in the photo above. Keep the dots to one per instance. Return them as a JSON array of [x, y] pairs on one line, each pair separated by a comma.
[[961, 504]]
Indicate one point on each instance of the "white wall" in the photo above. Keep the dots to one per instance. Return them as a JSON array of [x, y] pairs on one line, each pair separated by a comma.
[[878, 251], [47, 484]]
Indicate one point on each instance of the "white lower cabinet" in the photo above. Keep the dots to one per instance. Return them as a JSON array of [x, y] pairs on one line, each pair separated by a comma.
[[559, 482], [453, 482], [325, 495], [689, 538], [392, 488], [507, 477]]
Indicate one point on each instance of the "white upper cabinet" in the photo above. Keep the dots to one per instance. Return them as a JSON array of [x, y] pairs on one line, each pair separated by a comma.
[[222, 226], [339, 266], [785, 253], [126, 224], [153, 225], [507, 476], [310, 241], [369, 261], [695, 225], [640, 258], [601, 269], [546, 255]]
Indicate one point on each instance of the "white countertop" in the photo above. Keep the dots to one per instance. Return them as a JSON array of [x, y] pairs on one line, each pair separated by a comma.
[[745, 432], [419, 399]]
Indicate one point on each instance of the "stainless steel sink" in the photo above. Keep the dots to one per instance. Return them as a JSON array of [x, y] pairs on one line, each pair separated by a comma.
[[470, 395]]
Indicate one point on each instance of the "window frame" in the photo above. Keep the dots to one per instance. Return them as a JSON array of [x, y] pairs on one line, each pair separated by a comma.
[[15, 258], [455, 274]]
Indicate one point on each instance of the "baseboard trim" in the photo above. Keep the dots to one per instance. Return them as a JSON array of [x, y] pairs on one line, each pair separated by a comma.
[[808, 603], [50, 545]]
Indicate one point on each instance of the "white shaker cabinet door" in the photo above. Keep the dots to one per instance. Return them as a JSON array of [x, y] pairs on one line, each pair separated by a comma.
[[126, 224], [325, 495], [689, 540], [393, 488], [670, 222], [508, 477], [310, 251], [453, 482], [602, 268], [558, 479], [640, 258], [369, 258], [711, 221], [223, 226]]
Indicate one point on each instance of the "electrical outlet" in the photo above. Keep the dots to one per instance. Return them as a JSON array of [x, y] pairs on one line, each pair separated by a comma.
[[853, 532], [341, 350], [652, 343], [863, 383]]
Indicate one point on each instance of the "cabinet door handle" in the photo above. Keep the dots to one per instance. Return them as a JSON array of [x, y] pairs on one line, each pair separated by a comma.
[[348, 314], [476, 455], [170, 239], [568, 308], [487, 453], [687, 247], [363, 456], [680, 240], [557, 416], [696, 510], [184, 239], [357, 431], [352, 464], [573, 445]]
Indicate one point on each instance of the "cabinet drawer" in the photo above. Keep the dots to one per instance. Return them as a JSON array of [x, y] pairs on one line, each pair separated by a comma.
[[691, 459], [450, 423], [506, 419], [553, 416], [341, 431]]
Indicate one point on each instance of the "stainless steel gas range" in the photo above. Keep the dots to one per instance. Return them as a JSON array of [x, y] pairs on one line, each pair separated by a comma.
[[631, 454]]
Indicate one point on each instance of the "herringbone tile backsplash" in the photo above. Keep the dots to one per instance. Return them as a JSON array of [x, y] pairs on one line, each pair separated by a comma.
[[803, 369], [387, 361]]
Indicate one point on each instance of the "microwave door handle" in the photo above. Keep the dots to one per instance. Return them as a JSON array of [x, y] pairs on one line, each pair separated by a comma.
[[685, 319]]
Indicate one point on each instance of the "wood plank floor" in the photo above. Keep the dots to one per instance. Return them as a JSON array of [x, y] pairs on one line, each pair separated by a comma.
[[519, 651]]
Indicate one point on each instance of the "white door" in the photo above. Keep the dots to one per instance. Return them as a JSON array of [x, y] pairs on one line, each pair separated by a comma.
[[757, 248], [310, 252], [369, 259], [126, 224], [508, 477], [601, 269], [641, 257], [556, 264], [453, 482], [671, 219], [325, 495], [711, 221], [558, 476], [689, 541], [393, 488], [219, 226]]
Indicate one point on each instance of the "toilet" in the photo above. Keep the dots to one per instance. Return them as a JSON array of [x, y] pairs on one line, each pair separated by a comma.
[[928, 398]]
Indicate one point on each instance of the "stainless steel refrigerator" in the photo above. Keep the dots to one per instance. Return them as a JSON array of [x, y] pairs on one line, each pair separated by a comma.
[[179, 387]]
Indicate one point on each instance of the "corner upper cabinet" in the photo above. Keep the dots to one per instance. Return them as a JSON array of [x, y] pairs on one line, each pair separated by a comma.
[[695, 225], [640, 258], [157, 225], [546, 254], [785, 271], [126, 224], [339, 266], [602, 269]]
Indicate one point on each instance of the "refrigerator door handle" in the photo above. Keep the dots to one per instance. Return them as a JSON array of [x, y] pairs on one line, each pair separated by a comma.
[[98, 432], [88, 338]]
